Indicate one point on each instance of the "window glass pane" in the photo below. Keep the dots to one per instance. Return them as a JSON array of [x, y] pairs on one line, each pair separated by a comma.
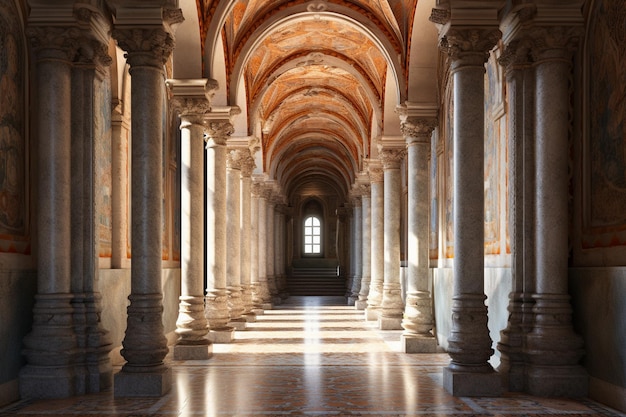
[[308, 249], [316, 248], [308, 231], [316, 231], [309, 240], [316, 239], [316, 221], [308, 221]]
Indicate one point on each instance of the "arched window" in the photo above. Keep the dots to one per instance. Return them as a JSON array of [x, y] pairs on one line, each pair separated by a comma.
[[312, 235]]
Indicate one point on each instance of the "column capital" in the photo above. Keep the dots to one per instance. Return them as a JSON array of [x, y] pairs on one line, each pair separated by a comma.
[[235, 158], [516, 54], [391, 157], [51, 42], [418, 129], [219, 123], [375, 170], [469, 46], [247, 165], [191, 98], [554, 42]]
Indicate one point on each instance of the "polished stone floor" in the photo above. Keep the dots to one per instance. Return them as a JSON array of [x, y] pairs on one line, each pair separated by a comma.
[[310, 356]]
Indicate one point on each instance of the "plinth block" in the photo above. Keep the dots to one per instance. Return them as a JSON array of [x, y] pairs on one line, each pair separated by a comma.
[[224, 335], [558, 381], [360, 305], [390, 323], [238, 324], [193, 352], [142, 384], [472, 384], [371, 314], [418, 344], [47, 382]]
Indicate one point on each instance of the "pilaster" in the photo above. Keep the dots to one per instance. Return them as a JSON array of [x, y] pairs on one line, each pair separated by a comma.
[[391, 156], [190, 99], [417, 127]]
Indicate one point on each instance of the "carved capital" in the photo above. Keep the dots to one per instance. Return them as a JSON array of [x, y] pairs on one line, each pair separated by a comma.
[[418, 129], [469, 46], [554, 42], [391, 158], [376, 173], [247, 165], [234, 159], [516, 54], [190, 109], [145, 47], [219, 131], [54, 42]]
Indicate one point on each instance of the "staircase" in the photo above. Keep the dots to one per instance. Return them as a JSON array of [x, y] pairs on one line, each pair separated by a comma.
[[315, 280]]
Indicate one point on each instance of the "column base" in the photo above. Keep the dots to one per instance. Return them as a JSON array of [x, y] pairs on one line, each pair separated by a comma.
[[258, 311], [390, 323], [223, 335], [238, 323], [250, 317], [360, 305], [47, 382], [193, 352], [371, 314], [418, 344], [472, 384], [557, 381], [142, 384]]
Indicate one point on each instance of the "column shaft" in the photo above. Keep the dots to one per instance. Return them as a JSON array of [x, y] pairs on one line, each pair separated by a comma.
[[233, 243], [247, 260], [357, 253], [263, 287]]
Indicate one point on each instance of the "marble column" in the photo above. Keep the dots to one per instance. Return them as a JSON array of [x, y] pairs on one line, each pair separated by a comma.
[[190, 99], [418, 312], [282, 243], [233, 243], [145, 345], [247, 233], [516, 62], [553, 348], [218, 128], [271, 246], [262, 289], [469, 343], [366, 245], [377, 188], [94, 341], [51, 346], [392, 307], [357, 229]]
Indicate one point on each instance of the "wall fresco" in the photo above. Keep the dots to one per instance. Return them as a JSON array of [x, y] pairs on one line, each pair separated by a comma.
[[14, 210], [493, 96], [606, 194]]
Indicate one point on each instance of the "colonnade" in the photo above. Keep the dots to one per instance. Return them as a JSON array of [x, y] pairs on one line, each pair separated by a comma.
[[246, 216]]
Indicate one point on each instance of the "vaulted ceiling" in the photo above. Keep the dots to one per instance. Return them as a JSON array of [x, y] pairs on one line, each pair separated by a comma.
[[317, 81]]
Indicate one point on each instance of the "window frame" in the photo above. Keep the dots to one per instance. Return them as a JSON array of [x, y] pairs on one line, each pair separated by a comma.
[[309, 246]]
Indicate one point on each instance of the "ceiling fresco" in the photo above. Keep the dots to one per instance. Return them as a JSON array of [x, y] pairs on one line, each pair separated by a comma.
[[314, 76]]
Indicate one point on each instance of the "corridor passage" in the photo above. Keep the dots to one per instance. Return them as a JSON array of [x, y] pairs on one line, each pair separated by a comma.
[[310, 356]]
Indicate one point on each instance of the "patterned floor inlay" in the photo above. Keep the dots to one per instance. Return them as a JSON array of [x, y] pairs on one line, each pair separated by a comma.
[[315, 357]]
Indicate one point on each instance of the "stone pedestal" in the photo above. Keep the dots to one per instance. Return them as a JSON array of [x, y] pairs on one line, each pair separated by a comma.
[[472, 384], [154, 383], [223, 335], [193, 352], [416, 343]]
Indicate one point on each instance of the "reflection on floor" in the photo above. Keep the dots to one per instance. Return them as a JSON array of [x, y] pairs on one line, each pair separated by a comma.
[[310, 356]]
